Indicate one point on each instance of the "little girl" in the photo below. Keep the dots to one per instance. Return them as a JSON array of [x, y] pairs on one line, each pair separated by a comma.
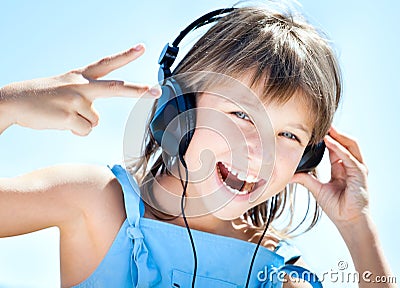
[[260, 89]]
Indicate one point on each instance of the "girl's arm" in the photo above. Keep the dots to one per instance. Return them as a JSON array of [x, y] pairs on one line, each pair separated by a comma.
[[362, 240], [53, 196], [345, 200]]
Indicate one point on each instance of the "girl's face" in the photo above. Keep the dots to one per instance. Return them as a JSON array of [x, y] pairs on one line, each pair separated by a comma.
[[244, 151]]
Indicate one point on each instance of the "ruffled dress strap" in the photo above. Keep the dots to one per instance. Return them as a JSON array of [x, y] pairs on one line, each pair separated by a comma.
[[291, 254], [288, 251], [143, 268]]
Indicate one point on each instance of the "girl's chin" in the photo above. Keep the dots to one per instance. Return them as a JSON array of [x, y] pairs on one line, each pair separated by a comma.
[[227, 214]]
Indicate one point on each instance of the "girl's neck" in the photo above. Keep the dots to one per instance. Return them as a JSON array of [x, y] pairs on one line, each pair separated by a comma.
[[166, 197]]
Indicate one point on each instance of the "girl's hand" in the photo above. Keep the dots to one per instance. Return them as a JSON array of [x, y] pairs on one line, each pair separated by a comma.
[[65, 102], [344, 198]]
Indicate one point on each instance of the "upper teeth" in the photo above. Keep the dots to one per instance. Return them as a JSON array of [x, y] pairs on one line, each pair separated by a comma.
[[242, 175]]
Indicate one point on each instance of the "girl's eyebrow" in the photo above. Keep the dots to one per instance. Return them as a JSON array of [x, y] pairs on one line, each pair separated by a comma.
[[239, 104], [300, 126]]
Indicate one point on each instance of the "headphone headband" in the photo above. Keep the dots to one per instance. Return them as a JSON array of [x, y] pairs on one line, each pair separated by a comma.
[[210, 17], [169, 53]]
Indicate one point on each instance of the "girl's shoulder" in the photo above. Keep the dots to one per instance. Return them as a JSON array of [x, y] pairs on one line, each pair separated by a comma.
[[81, 185], [65, 187]]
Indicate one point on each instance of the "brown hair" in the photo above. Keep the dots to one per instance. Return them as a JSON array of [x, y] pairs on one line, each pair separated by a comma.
[[282, 53]]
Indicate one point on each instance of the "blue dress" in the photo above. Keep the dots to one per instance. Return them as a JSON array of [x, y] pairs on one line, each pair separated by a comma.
[[151, 253]]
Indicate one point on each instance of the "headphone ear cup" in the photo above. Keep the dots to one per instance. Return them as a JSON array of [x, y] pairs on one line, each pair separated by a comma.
[[187, 105], [171, 129], [166, 111], [312, 156]]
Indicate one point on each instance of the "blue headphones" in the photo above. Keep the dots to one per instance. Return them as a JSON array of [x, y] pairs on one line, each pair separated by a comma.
[[174, 133]]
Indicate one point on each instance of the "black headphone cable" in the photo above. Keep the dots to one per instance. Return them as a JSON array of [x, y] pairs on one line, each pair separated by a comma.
[[184, 186], [272, 205]]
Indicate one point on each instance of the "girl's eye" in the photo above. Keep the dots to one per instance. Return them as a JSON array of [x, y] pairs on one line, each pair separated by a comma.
[[241, 115], [290, 136]]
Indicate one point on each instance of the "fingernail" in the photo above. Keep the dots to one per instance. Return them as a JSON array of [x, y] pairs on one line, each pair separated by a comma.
[[138, 47], [156, 91]]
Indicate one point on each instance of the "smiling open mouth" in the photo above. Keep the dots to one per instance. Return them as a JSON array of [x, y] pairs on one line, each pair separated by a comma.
[[236, 182]]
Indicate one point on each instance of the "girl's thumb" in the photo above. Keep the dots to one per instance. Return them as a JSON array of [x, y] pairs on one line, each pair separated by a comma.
[[308, 181]]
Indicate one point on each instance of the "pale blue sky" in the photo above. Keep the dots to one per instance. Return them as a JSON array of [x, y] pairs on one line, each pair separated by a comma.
[[44, 38]]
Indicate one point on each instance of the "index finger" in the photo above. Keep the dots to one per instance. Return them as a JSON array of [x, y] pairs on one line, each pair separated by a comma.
[[348, 142], [116, 88], [110, 63]]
